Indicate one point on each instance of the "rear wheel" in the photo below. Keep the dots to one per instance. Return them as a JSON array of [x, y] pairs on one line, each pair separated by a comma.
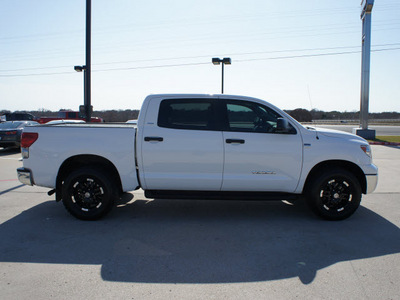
[[88, 193], [334, 194]]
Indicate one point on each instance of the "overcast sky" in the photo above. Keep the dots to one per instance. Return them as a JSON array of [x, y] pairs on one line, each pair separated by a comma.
[[294, 54]]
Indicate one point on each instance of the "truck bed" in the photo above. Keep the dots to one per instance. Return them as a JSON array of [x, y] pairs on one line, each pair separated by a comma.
[[114, 143]]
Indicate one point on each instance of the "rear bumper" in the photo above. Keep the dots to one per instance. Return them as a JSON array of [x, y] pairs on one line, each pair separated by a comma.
[[7, 144], [25, 176]]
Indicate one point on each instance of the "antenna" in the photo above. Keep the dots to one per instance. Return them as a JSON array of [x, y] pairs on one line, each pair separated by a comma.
[[309, 96], [315, 125]]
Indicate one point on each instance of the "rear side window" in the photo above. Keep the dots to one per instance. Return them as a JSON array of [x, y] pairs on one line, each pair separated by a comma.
[[194, 114]]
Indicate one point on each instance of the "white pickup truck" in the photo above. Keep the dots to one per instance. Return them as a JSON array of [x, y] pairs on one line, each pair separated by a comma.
[[199, 147]]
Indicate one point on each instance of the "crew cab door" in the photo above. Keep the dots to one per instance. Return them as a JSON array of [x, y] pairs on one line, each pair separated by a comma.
[[180, 147], [257, 156]]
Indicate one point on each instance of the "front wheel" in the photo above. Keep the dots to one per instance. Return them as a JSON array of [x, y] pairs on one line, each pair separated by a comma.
[[334, 194], [88, 193]]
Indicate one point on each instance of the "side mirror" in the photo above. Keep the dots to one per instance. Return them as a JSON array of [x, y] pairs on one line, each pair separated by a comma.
[[282, 126]]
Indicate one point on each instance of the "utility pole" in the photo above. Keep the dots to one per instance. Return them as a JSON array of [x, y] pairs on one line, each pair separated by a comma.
[[363, 131]]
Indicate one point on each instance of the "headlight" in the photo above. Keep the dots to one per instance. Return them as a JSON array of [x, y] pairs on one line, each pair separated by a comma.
[[366, 149]]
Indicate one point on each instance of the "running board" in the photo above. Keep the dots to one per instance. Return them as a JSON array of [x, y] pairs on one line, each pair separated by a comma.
[[217, 195]]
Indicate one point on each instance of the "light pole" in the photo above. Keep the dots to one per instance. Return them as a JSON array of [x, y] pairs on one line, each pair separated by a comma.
[[365, 70], [87, 68], [224, 61]]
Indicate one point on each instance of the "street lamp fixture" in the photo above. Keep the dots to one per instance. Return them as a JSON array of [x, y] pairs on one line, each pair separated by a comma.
[[79, 68], [224, 61]]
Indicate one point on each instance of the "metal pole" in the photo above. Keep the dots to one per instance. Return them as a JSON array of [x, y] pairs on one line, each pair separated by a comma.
[[365, 63], [84, 89], [363, 131], [222, 86], [88, 105]]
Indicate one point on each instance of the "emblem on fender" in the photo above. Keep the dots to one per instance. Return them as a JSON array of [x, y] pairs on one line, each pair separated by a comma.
[[263, 172]]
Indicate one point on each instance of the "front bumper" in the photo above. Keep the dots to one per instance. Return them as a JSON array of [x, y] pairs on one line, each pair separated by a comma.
[[372, 182], [25, 176]]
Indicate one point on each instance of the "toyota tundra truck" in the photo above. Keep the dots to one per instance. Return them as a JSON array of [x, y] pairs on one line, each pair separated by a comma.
[[199, 147]]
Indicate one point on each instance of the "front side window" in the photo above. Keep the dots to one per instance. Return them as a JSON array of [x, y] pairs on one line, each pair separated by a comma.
[[194, 114], [246, 116]]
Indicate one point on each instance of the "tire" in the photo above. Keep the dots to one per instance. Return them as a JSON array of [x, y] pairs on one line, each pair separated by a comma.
[[334, 194], [88, 193]]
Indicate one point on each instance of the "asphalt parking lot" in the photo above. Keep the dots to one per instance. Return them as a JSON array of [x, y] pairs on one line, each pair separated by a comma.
[[167, 249]]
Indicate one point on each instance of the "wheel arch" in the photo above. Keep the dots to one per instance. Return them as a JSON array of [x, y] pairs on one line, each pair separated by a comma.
[[347, 165], [85, 160]]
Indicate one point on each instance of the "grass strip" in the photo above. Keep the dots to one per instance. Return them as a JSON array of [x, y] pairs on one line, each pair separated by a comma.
[[387, 138]]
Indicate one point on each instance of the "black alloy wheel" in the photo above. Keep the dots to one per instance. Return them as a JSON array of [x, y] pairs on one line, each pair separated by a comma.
[[334, 194], [88, 194]]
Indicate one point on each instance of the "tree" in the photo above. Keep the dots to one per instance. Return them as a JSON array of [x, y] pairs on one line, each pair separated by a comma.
[[301, 115]]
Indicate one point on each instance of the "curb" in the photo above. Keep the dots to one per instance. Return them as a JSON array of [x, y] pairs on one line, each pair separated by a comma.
[[385, 143]]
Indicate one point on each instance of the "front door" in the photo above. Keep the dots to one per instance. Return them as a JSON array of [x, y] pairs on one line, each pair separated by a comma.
[[257, 158]]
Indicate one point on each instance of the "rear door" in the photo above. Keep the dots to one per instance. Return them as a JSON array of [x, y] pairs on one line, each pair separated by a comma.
[[257, 157], [181, 148]]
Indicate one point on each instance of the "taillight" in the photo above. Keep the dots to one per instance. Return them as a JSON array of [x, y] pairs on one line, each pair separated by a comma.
[[11, 132], [28, 138]]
